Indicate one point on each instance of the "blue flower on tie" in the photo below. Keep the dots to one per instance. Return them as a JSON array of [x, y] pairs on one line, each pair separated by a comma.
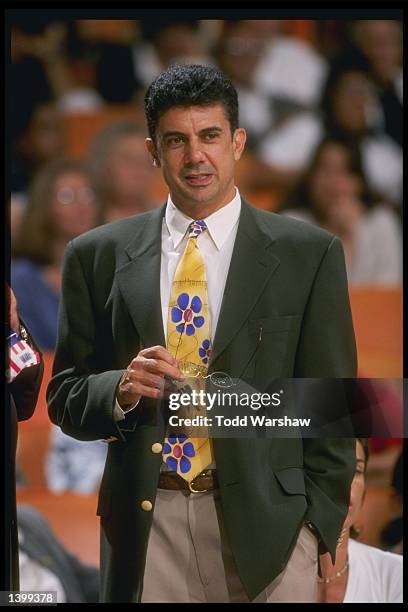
[[178, 450], [205, 351], [184, 314]]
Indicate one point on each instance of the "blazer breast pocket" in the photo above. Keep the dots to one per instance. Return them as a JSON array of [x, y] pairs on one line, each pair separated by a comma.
[[263, 325], [277, 339]]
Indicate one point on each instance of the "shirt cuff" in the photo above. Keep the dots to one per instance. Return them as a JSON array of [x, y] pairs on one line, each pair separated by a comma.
[[119, 414]]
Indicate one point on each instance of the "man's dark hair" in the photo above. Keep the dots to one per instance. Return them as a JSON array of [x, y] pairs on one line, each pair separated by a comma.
[[190, 85]]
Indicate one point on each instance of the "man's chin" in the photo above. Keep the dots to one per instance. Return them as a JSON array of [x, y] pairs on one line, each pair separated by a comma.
[[199, 196]]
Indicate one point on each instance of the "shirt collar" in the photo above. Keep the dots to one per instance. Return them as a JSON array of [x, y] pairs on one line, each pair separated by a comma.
[[220, 224]]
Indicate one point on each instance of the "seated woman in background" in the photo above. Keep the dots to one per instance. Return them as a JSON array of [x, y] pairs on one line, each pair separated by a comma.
[[362, 573], [334, 194], [350, 110], [61, 205]]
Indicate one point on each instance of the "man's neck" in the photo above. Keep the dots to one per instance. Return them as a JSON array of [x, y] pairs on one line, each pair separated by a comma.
[[205, 210]]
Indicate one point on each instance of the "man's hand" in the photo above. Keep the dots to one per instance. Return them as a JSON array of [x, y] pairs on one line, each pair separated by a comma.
[[145, 374], [13, 312]]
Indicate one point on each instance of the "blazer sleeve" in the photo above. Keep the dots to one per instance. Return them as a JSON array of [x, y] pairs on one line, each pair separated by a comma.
[[327, 345], [81, 397], [25, 388], [327, 349]]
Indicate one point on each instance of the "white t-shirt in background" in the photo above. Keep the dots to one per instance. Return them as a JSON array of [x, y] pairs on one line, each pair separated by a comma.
[[375, 576]]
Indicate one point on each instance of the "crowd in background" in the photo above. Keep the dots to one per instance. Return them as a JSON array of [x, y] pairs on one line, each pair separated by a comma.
[[323, 114]]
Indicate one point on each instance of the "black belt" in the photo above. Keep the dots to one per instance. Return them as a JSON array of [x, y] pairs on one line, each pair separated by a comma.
[[206, 481]]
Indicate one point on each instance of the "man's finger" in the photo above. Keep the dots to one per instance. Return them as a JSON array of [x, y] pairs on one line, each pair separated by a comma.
[[158, 352], [150, 380], [162, 368]]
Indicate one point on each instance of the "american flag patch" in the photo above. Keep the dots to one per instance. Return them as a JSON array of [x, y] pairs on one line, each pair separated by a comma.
[[21, 356]]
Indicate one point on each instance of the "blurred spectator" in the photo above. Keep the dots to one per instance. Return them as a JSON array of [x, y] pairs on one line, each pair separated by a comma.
[[116, 77], [74, 465], [78, 92], [330, 36], [126, 68], [61, 205], [168, 41], [291, 71], [361, 573], [260, 58], [392, 534], [45, 565], [115, 72], [351, 111], [277, 77], [61, 58], [39, 138], [121, 170], [28, 80], [239, 51], [335, 195], [381, 43]]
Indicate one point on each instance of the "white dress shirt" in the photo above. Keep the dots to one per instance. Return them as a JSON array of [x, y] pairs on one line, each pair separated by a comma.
[[216, 246]]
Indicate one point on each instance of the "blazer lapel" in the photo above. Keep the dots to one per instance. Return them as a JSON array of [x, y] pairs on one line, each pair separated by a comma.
[[139, 280], [252, 264]]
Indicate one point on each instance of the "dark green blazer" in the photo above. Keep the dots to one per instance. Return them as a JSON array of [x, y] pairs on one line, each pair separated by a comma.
[[287, 275]]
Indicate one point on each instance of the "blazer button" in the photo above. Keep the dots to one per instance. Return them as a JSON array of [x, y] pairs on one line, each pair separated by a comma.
[[157, 447], [146, 505]]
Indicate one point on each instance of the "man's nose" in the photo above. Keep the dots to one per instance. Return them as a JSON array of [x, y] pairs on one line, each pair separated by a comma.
[[194, 154]]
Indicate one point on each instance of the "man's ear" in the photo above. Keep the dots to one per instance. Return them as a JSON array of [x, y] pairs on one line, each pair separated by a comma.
[[151, 147], [238, 142]]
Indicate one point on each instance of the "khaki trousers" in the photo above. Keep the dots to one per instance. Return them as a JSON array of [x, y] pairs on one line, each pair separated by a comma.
[[189, 560]]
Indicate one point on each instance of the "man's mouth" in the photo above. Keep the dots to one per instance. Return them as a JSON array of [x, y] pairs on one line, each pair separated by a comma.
[[198, 179]]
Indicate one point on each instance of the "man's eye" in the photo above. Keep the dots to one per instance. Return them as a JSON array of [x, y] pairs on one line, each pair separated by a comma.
[[175, 140], [211, 135]]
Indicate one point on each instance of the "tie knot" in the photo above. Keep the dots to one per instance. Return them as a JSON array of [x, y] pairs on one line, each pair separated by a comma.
[[196, 228]]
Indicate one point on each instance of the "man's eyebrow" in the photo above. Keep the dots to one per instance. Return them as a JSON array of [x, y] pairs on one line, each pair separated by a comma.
[[214, 128], [174, 133]]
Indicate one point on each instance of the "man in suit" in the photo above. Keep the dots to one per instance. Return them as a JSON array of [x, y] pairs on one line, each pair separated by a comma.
[[23, 395], [247, 527]]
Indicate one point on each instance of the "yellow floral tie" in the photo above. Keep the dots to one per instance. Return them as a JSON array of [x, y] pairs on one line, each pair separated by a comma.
[[189, 339]]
